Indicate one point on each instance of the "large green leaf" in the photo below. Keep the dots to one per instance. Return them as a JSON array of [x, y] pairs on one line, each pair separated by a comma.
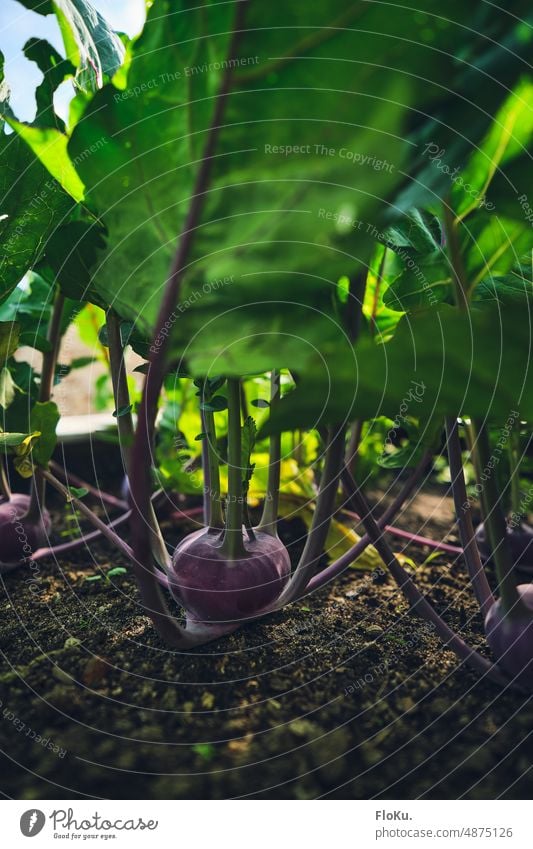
[[442, 361], [295, 190]]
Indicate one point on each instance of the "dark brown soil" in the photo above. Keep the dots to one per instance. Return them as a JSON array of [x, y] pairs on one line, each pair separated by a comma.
[[344, 695]]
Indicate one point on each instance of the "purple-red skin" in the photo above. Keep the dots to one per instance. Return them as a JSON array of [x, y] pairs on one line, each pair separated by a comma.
[[521, 545], [212, 588], [19, 537], [511, 640]]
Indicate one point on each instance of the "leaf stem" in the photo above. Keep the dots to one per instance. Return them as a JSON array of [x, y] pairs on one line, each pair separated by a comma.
[[478, 578], [232, 544], [411, 592], [495, 523], [269, 518], [105, 530], [325, 507], [215, 518], [342, 563], [459, 278], [125, 426], [69, 478], [38, 486]]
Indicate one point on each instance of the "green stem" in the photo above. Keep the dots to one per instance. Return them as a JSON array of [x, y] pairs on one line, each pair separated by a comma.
[[232, 545], [495, 524], [459, 278], [121, 392], [269, 518], [215, 518], [125, 427], [38, 485]]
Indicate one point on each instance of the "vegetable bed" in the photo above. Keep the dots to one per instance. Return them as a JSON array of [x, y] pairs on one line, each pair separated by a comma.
[[345, 693]]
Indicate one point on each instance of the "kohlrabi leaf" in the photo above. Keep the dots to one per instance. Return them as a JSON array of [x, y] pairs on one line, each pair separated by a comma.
[[92, 47], [441, 361], [418, 231], [48, 145], [425, 282], [492, 245], [23, 455], [71, 254], [7, 388], [94, 54], [294, 195], [55, 70], [9, 339], [508, 137], [32, 204], [44, 418], [10, 440]]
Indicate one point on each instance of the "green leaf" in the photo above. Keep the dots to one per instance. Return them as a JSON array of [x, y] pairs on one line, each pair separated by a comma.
[[78, 491], [29, 304], [516, 285], [215, 404], [426, 281], [122, 411], [55, 70], [35, 340], [72, 253], [510, 134], [44, 418], [439, 362], [49, 145], [91, 45], [32, 203], [7, 388], [9, 440], [418, 231], [492, 244], [23, 459], [9, 339], [278, 201], [116, 570]]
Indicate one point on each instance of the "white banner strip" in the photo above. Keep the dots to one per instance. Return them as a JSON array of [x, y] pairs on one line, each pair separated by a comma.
[[268, 824]]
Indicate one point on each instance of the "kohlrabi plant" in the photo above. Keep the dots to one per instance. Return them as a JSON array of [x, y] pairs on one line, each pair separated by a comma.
[[346, 239]]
